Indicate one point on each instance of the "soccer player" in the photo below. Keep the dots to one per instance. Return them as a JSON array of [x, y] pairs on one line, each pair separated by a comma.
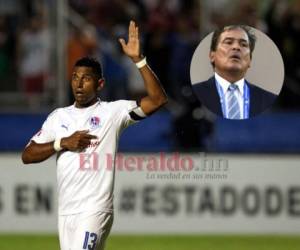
[[82, 135]]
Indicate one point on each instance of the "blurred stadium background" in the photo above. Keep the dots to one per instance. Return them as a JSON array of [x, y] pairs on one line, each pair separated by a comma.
[[245, 193]]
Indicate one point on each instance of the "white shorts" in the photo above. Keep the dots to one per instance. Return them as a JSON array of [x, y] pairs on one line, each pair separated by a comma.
[[84, 231]]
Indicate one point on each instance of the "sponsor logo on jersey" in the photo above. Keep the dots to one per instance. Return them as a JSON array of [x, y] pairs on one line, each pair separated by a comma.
[[94, 144], [94, 122]]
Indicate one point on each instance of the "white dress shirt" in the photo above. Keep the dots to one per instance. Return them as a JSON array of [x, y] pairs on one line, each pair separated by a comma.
[[239, 93]]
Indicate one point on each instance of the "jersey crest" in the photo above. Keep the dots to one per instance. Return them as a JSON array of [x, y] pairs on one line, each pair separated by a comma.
[[95, 122]]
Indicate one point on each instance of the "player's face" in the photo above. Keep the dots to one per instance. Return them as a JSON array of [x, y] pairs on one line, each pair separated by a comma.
[[84, 86], [232, 53]]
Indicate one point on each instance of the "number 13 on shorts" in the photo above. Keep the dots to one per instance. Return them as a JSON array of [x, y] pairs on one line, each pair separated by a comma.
[[90, 240]]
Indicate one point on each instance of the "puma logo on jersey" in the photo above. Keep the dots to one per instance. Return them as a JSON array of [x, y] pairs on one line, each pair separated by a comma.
[[64, 126]]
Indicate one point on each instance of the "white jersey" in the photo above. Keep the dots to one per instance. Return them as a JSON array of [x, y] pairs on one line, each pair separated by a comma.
[[86, 179]]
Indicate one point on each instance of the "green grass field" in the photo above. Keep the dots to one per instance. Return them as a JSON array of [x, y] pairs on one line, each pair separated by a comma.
[[21, 242]]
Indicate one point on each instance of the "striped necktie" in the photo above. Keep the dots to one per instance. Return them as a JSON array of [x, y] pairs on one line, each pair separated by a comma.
[[233, 104]]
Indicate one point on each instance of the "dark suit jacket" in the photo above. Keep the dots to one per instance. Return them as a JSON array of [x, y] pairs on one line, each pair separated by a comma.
[[207, 93]]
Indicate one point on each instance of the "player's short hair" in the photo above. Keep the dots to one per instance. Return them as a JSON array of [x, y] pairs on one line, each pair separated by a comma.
[[91, 63], [217, 33]]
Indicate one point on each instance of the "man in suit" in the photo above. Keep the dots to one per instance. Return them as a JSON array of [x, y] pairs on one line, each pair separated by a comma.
[[228, 93]]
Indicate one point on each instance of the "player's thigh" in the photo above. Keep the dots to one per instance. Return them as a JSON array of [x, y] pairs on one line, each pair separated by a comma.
[[65, 231], [92, 231]]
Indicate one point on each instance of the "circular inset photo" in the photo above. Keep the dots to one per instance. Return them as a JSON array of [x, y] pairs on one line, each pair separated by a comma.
[[237, 72]]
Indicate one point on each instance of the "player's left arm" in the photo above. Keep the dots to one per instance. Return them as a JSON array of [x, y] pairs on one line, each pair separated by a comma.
[[156, 96]]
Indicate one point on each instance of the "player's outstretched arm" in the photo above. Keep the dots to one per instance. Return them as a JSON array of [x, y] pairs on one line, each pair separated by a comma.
[[38, 152], [156, 96]]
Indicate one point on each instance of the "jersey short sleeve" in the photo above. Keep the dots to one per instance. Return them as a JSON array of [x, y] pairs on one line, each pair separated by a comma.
[[124, 108], [47, 132]]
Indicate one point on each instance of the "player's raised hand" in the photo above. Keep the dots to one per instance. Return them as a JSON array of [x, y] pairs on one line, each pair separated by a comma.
[[78, 141], [132, 47]]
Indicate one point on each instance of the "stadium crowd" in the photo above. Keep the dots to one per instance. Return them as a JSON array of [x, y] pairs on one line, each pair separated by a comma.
[[172, 29]]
